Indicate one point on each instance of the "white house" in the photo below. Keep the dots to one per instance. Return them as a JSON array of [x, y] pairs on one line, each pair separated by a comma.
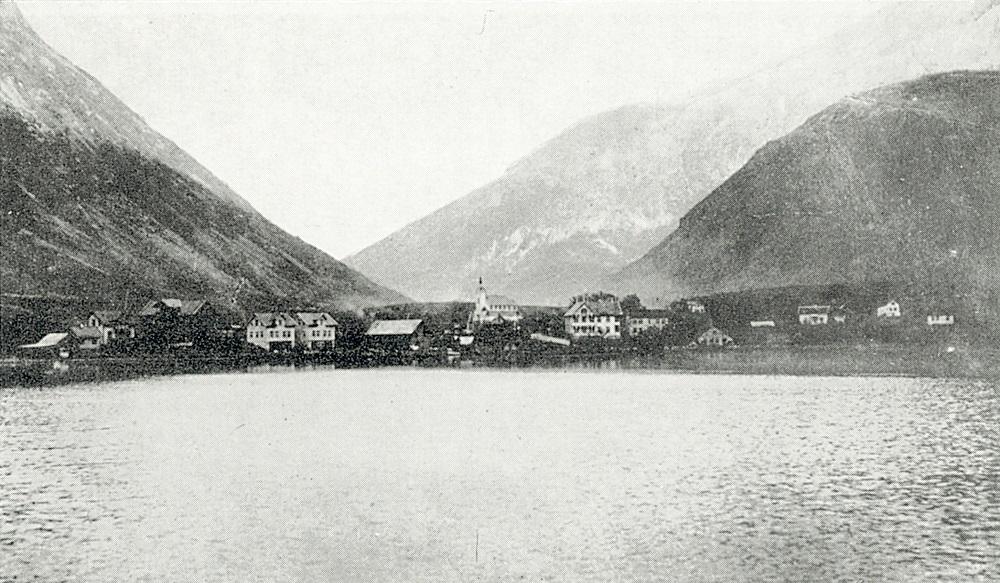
[[111, 324], [695, 307], [647, 319], [491, 309], [890, 310], [714, 337], [814, 315], [594, 317], [940, 320], [272, 330], [315, 331]]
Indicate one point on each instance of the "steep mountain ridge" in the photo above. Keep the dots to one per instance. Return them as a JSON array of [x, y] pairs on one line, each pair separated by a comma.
[[899, 184], [97, 205], [605, 191], [54, 94]]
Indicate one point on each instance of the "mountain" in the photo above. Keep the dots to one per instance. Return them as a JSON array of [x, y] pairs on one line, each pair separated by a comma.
[[97, 205], [603, 192], [900, 184]]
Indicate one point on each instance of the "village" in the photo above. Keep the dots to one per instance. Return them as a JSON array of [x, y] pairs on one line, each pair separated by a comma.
[[490, 330]]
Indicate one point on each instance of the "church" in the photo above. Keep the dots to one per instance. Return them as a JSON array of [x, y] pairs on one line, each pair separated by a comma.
[[492, 309]]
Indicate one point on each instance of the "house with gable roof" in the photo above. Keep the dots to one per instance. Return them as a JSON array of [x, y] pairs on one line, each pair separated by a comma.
[[594, 316], [272, 331], [395, 337], [315, 331], [175, 322], [112, 325]]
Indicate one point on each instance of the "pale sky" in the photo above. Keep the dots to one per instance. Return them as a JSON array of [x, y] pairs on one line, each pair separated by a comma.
[[344, 122]]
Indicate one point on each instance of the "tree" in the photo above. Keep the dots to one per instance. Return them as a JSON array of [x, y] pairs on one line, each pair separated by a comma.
[[631, 303]]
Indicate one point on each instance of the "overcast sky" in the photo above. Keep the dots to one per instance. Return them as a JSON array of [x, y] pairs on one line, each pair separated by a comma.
[[343, 122]]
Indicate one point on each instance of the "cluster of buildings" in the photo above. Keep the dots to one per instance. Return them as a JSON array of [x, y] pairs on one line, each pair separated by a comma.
[[821, 315], [171, 323], [159, 323], [174, 323]]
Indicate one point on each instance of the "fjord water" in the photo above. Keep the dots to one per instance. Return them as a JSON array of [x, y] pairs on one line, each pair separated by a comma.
[[443, 475]]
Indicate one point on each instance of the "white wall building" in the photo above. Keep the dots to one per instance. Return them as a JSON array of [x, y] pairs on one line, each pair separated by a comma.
[[940, 320], [491, 309], [272, 330], [814, 315], [890, 310], [315, 331], [594, 318]]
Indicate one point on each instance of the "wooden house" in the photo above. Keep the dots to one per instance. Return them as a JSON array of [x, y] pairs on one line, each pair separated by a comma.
[[715, 338], [315, 331], [644, 319], [939, 319], [112, 325], [86, 337], [175, 322], [395, 336], [594, 317], [814, 315], [272, 331], [889, 310]]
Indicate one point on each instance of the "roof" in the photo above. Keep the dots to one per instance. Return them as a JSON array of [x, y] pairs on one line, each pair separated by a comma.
[[108, 316], [549, 339], [271, 319], [814, 310], [186, 307], [85, 332], [316, 318], [48, 341], [393, 327], [498, 300], [602, 307]]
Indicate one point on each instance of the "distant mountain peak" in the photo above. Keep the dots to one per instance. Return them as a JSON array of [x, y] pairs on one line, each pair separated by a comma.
[[606, 190]]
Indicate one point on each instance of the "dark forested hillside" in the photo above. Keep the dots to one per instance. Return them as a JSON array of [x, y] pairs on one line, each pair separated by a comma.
[[899, 184], [97, 207]]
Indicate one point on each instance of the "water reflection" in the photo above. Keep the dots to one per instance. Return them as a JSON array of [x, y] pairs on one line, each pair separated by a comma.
[[484, 475]]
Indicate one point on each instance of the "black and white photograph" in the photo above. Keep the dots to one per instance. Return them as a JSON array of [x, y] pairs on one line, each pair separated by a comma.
[[497, 291]]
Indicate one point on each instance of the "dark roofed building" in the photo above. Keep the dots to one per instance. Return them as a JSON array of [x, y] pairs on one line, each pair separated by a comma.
[[395, 337], [175, 322]]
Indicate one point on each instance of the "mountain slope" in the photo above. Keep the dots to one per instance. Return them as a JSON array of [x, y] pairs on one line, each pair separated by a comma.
[[96, 204], [605, 191], [900, 184]]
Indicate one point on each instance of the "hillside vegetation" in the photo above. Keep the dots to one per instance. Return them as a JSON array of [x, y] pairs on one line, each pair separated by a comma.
[[900, 184]]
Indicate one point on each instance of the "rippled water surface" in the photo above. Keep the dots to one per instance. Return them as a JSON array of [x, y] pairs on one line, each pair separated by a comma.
[[430, 475]]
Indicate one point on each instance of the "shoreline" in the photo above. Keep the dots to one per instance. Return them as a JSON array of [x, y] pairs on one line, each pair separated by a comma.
[[862, 361]]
